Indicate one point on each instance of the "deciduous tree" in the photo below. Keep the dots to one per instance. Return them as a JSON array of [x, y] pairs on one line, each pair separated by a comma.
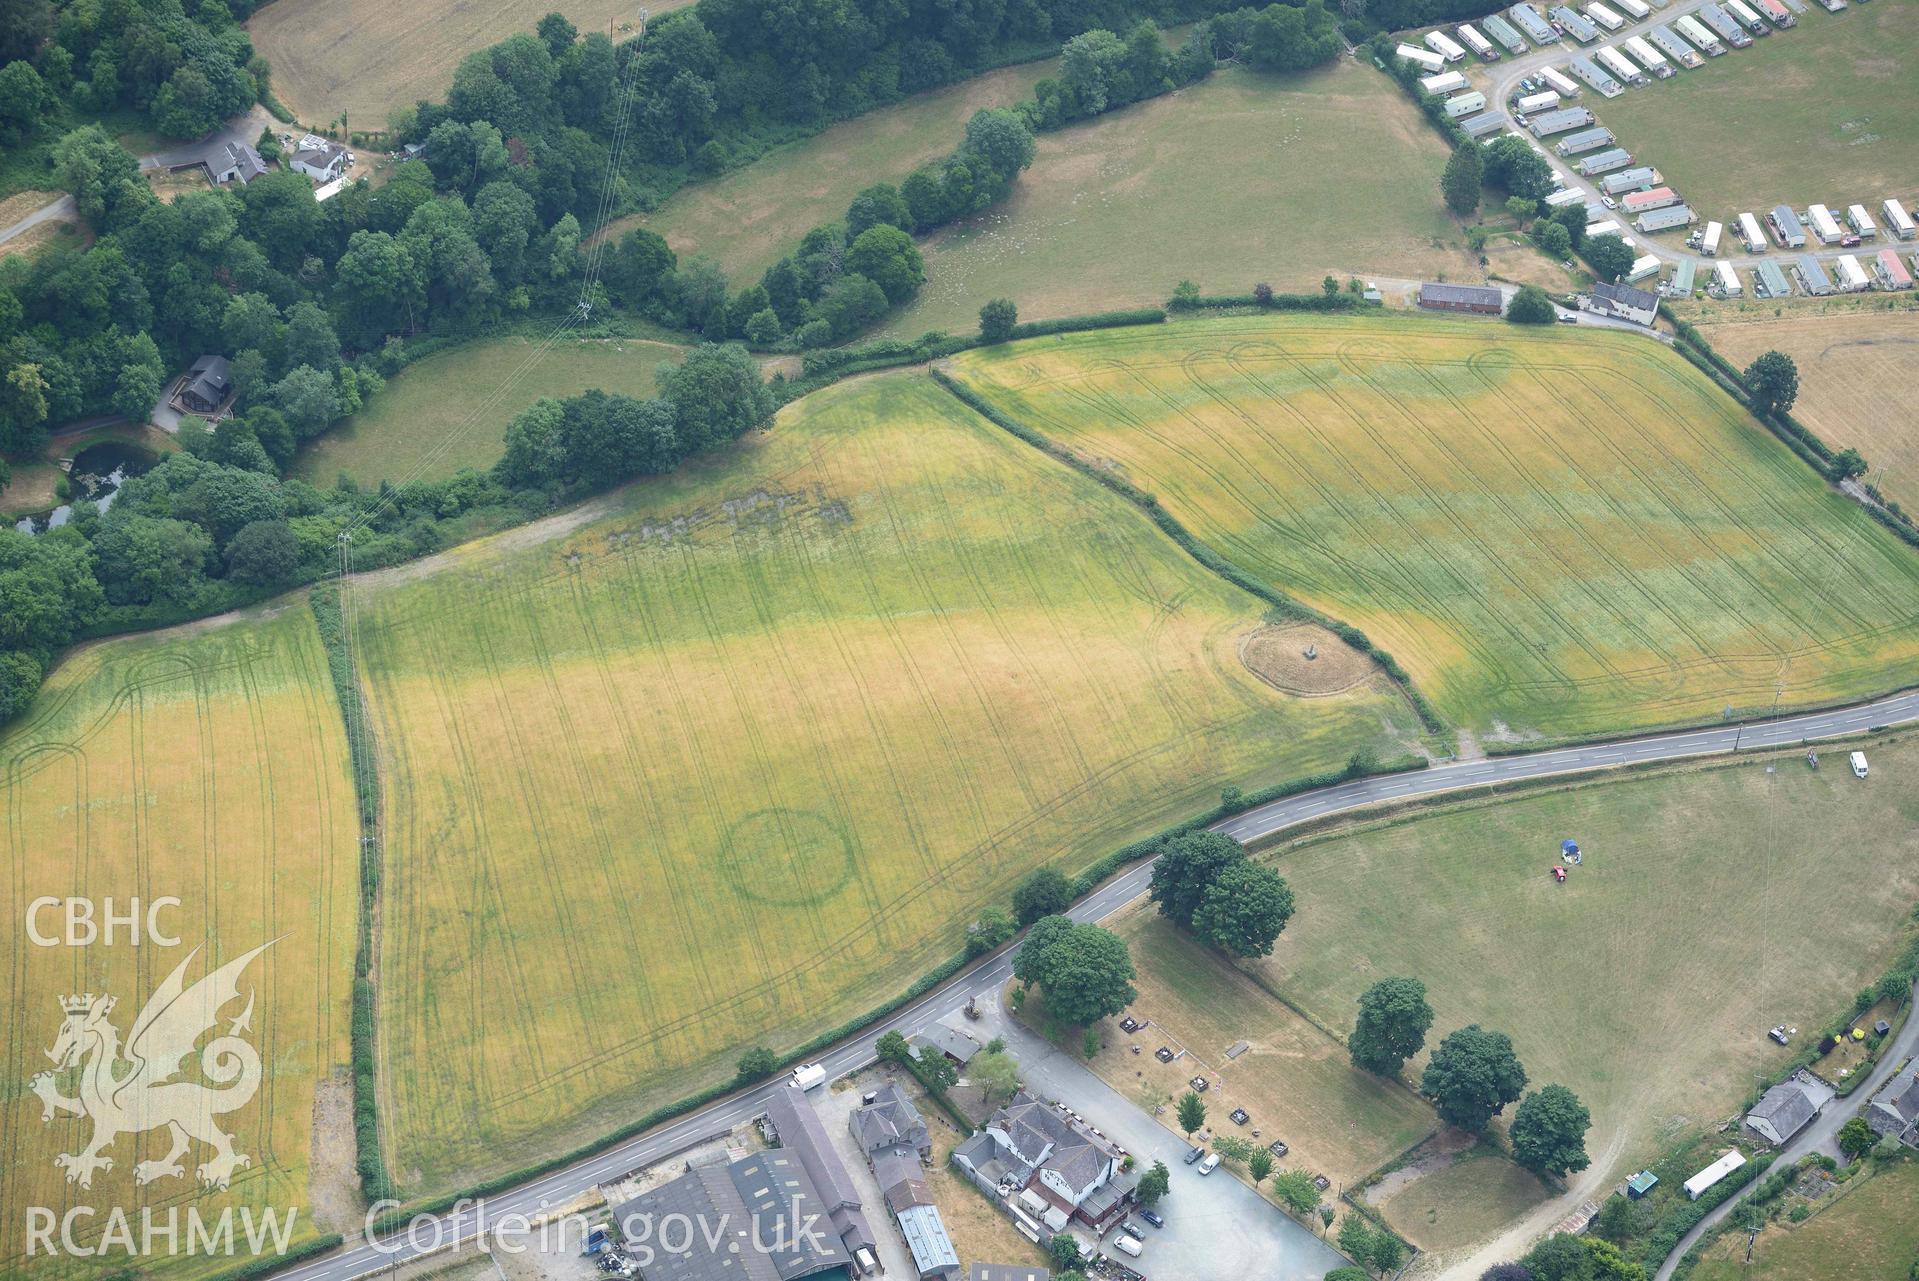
[[1549, 1132], [1392, 1024], [1472, 1076]]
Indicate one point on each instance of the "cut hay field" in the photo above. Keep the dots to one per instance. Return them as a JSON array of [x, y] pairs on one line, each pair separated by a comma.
[[747, 219], [731, 762], [1242, 178], [460, 397], [1851, 367], [1712, 903], [1838, 106], [1869, 1234], [366, 58], [205, 763], [1556, 534], [1295, 1080]]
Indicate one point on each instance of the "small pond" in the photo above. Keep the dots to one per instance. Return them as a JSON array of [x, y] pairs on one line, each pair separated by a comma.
[[96, 476]]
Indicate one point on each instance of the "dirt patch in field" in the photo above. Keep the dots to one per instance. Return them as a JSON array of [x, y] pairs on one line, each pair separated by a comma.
[[1304, 659], [334, 1184]]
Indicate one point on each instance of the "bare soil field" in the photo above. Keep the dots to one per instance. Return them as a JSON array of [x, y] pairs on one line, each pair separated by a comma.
[[365, 58], [1852, 367]]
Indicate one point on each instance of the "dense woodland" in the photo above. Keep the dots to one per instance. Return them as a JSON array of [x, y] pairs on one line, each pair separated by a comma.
[[542, 138]]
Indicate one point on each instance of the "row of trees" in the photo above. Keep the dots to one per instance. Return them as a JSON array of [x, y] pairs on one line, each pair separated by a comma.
[[1471, 1076], [1564, 1257]]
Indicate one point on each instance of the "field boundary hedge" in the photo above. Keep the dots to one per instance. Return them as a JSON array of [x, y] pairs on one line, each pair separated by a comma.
[[1198, 550], [376, 1182]]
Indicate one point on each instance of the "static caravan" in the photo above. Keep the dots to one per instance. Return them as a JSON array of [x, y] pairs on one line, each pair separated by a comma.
[[1811, 276], [1654, 61], [1697, 32], [1787, 228], [1465, 104], [1604, 17], [1723, 26], [1681, 285], [1565, 196], [1642, 268], [1549, 123], [1482, 127], [1778, 13], [1898, 221], [1620, 65], [1666, 39], [1596, 212], [1748, 17], [1639, 9], [1667, 218], [1470, 37], [1422, 57], [1604, 227], [1591, 72], [1749, 232], [1862, 222], [1770, 282], [1444, 82], [1537, 29], [1654, 198], [1578, 144], [1832, 6], [1560, 81], [1824, 225], [1575, 24], [1852, 277], [1636, 179], [1604, 161], [1504, 32], [1544, 100], [1725, 284], [1445, 46], [1889, 272], [1709, 243]]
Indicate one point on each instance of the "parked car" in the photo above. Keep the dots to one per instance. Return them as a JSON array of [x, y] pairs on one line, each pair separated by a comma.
[[1210, 1164], [1153, 1217], [1194, 1154]]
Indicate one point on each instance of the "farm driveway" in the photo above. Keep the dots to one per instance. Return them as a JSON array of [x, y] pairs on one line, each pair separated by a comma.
[[834, 1107], [1216, 1226]]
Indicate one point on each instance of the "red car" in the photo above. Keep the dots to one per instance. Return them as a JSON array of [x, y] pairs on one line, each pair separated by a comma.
[[1559, 874]]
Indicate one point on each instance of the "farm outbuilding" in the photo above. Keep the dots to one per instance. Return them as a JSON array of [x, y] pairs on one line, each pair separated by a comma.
[[1718, 1170], [1478, 300], [1641, 1183], [1788, 1107]]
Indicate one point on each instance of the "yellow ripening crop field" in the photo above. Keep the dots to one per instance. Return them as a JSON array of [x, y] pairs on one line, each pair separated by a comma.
[[1555, 533], [733, 761], [206, 764]]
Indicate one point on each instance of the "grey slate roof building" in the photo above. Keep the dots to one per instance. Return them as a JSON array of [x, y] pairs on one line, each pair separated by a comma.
[[238, 162], [1895, 1109], [1624, 302], [760, 1210], [1480, 299], [1044, 1152], [801, 1132], [901, 1178], [1788, 1107], [208, 384], [953, 1043], [889, 1121]]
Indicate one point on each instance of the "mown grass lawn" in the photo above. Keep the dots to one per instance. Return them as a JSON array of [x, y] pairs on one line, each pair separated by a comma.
[[1827, 111], [1556, 534], [732, 762]]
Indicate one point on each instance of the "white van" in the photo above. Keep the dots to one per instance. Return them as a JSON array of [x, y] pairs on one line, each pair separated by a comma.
[[1211, 1162], [808, 1076], [1858, 764], [1126, 1243]]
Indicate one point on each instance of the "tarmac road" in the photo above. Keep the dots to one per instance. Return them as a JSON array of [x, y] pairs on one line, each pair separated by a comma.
[[359, 1259]]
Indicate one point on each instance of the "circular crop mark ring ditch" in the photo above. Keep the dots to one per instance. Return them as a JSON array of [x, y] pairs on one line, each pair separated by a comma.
[[1276, 653], [787, 858]]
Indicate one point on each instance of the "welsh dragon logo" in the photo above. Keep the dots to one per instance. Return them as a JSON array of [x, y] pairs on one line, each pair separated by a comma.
[[133, 1090]]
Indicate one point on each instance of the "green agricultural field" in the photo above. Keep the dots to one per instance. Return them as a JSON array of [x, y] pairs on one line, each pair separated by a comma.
[[750, 217], [458, 403], [1827, 111], [207, 764], [1556, 533], [1242, 178], [1869, 1234], [1712, 902], [731, 761]]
